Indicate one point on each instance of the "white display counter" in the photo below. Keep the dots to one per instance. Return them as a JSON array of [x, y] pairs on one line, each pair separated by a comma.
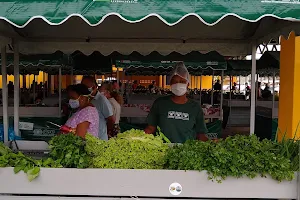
[[141, 184]]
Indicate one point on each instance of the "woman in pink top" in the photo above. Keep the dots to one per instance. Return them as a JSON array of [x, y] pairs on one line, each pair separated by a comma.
[[86, 119]]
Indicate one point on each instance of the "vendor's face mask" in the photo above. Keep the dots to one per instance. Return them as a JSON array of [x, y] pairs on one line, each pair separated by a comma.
[[74, 103], [179, 89]]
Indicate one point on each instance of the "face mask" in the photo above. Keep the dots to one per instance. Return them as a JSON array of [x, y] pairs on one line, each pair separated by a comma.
[[91, 89], [74, 103], [179, 89]]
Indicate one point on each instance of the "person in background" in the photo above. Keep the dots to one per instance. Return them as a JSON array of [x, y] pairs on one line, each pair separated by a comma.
[[39, 101], [266, 93], [258, 90], [217, 86], [116, 101], [248, 91], [135, 85], [233, 87], [106, 119], [179, 118], [115, 86], [152, 87], [86, 119]]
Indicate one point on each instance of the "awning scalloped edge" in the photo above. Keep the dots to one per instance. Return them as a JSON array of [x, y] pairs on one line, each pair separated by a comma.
[[142, 19]]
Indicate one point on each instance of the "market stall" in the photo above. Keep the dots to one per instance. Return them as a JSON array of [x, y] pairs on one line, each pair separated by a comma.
[[96, 34], [112, 25]]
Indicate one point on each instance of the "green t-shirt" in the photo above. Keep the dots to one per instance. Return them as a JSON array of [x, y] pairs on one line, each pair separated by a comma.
[[179, 122]]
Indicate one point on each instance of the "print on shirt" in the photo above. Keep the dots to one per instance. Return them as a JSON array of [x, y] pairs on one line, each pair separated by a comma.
[[178, 115], [171, 114]]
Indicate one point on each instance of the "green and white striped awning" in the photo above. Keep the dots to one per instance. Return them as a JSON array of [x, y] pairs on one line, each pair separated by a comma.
[[21, 12], [157, 64], [229, 27]]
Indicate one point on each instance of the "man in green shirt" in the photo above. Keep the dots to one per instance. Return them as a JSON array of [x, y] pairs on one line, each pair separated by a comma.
[[179, 118]]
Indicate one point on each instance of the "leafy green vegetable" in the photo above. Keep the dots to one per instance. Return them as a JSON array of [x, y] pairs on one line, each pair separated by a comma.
[[33, 173], [69, 151], [20, 162], [132, 149], [235, 156]]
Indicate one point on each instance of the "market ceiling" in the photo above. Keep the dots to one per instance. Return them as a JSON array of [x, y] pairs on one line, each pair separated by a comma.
[[228, 27]]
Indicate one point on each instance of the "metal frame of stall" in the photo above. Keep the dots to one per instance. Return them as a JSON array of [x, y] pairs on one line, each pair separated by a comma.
[[17, 91]]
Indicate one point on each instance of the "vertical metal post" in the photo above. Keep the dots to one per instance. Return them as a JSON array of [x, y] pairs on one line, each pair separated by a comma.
[[44, 86], [201, 89], [212, 88], [16, 87], [221, 101], [230, 93], [59, 92], [239, 84], [253, 96], [118, 76], [34, 87], [4, 93]]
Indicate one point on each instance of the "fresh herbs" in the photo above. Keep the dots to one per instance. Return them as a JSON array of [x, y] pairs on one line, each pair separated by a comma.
[[235, 156], [69, 151]]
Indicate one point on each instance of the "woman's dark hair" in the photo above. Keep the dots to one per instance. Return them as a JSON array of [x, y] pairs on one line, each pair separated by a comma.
[[80, 89]]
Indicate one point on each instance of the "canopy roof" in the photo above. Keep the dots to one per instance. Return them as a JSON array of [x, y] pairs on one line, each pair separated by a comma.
[[266, 65], [228, 27], [96, 63], [238, 67], [270, 61], [32, 64]]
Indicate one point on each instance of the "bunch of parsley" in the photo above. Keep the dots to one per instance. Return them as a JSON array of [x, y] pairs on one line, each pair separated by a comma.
[[235, 156]]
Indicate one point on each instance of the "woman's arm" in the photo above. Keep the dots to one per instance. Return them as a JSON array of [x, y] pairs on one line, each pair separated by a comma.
[[82, 128]]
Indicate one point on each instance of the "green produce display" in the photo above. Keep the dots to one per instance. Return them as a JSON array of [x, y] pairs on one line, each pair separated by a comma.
[[237, 156], [69, 151], [20, 162], [132, 149]]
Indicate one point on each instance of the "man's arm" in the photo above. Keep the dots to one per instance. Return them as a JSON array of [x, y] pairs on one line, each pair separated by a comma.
[[150, 129], [202, 137]]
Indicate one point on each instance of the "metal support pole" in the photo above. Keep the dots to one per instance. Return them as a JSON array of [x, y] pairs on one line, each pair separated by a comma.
[[273, 96], [44, 86], [118, 76], [59, 92], [230, 93], [221, 99], [201, 89], [16, 88], [212, 89], [239, 84], [34, 87], [253, 96], [4, 93]]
